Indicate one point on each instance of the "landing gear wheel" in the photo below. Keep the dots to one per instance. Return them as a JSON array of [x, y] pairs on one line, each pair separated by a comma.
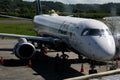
[[92, 71], [92, 66]]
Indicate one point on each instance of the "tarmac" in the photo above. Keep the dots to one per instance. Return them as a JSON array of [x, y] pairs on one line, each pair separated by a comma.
[[43, 66]]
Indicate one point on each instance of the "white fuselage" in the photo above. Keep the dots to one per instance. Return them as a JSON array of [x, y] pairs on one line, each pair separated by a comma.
[[90, 37]]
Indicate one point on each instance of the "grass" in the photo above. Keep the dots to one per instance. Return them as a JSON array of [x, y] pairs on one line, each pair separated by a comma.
[[23, 29], [2, 18]]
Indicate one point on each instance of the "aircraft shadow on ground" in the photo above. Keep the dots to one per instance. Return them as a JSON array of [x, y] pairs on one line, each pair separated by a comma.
[[51, 69], [48, 67], [14, 62], [45, 66], [6, 49]]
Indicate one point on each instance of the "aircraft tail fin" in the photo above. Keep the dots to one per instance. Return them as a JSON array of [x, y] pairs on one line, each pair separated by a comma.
[[39, 8]]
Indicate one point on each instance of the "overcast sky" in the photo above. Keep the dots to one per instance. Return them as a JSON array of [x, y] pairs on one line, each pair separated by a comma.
[[83, 1]]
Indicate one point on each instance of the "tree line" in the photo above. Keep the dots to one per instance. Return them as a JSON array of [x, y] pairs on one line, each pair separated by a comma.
[[28, 9]]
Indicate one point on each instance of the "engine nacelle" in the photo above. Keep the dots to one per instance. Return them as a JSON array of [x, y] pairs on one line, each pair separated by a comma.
[[24, 49]]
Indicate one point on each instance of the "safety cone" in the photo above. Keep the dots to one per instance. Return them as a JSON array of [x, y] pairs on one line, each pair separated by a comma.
[[117, 64], [30, 64], [2, 61], [82, 68]]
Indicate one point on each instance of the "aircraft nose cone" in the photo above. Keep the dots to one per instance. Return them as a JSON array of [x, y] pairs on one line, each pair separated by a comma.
[[108, 50], [109, 54], [105, 47], [105, 54]]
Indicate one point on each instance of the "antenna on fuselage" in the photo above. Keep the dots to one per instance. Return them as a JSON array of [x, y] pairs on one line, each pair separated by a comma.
[[39, 7]]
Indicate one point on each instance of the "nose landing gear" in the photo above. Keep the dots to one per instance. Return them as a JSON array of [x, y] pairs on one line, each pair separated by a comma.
[[92, 71], [92, 66]]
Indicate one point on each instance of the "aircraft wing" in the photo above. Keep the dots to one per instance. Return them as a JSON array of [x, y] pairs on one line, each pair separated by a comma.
[[29, 38]]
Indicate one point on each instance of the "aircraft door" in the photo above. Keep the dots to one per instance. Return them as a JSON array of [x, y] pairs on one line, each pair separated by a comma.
[[72, 36], [86, 41], [88, 46]]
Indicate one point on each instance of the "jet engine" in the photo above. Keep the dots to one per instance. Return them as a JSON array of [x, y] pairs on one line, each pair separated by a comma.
[[24, 49]]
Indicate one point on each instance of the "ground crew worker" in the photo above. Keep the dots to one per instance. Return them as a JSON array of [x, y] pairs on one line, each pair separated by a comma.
[[64, 56], [57, 63], [65, 62]]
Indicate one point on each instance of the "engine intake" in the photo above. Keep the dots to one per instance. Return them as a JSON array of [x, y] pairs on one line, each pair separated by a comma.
[[24, 49]]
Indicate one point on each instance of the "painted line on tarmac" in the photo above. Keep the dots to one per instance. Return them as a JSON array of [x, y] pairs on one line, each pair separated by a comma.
[[95, 75]]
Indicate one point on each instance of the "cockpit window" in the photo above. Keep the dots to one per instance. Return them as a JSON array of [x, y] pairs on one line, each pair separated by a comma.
[[95, 32]]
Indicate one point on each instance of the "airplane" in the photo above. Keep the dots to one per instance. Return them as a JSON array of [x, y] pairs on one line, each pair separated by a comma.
[[86, 37]]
